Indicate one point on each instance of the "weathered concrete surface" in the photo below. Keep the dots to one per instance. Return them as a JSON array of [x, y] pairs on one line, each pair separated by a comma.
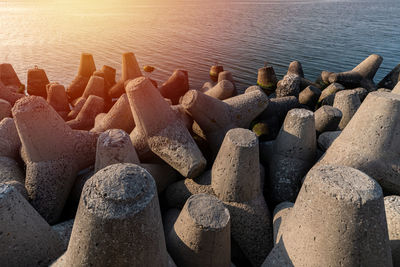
[[338, 219], [201, 234], [118, 203], [392, 209], [26, 239], [370, 141]]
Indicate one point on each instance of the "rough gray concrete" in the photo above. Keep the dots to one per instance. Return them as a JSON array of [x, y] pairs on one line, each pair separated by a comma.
[[338, 219], [294, 153], [326, 139], [347, 102], [392, 209], [370, 141], [165, 134], [118, 222], [118, 117], [327, 118], [114, 146], [54, 153], [26, 239], [9, 139], [201, 233], [288, 86]]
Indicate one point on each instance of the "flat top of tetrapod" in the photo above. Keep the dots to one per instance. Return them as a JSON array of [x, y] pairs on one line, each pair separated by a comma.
[[118, 191], [207, 211]]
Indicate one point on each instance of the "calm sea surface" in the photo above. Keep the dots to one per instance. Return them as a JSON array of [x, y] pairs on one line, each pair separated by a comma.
[[241, 35]]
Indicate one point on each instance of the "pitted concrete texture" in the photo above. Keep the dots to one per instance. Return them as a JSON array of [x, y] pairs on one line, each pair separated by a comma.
[[45, 135], [5, 109], [392, 209], [338, 219], [118, 117], [201, 233], [85, 119], [118, 203], [294, 153], [370, 141], [64, 230], [288, 86], [9, 139], [114, 146], [26, 238], [327, 118], [347, 102], [236, 169], [163, 174], [326, 139], [10, 171], [251, 228], [48, 184], [52, 152], [165, 134]]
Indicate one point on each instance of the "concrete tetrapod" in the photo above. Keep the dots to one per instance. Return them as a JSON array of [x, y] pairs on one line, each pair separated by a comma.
[[54, 154], [294, 152], [392, 204], [201, 234], [9, 94], [130, 70], [165, 134], [215, 118], [310, 96], [26, 238], [5, 109], [222, 90], [267, 79], [114, 146], [176, 86], [362, 75], [347, 102], [86, 116], [214, 71], [76, 109], [328, 94], [288, 86], [58, 99], [36, 82], [118, 117], [338, 219], [119, 203], [370, 141], [391, 79], [236, 181], [86, 69], [9, 77], [9, 139], [95, 87], [327, 118], [227, 75]]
